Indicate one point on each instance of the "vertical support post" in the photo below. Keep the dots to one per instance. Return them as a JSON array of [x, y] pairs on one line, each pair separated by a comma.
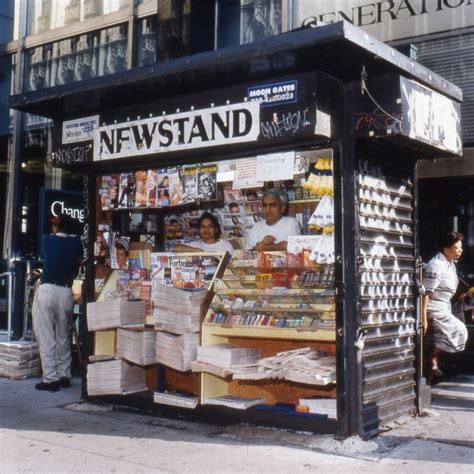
[[349, 366], [87, 240], [13, 210]]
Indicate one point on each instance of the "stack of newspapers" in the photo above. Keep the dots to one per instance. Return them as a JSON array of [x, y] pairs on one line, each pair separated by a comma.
[[225, 359], [176, 399], [115, 313], [240, 403], [19, 360], [136, 345], [182, 318], [304, 365], [176, 351], [115, 377]]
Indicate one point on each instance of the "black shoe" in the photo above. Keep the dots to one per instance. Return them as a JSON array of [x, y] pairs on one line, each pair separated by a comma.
[[48, 387], [65, 382]]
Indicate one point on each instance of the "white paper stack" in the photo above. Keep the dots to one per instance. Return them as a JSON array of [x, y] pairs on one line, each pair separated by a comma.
[[176, 399], [115, 313], [19, 360], [232, 401], [177, 311], [136, 345], [176, 351], [300, 365], [322, 406], [115, 377], [227, 355]]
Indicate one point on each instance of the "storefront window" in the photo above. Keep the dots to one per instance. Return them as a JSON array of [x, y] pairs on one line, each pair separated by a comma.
[[147, 34], [245, 21], [45, 15], [75, 59], [174, 28]]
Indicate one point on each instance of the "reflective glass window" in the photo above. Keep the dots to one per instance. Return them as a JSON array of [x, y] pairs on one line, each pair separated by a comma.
[[245, 21], [147, 36], [75, 59], [45, 15]]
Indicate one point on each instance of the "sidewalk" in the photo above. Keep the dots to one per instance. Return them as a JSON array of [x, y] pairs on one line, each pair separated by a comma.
[[50, 432]]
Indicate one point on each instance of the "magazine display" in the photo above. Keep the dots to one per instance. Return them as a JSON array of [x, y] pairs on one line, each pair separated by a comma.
[[207, 182]]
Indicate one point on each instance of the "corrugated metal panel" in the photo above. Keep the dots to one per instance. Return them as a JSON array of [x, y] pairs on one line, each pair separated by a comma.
[[386, 300], [453, 59]]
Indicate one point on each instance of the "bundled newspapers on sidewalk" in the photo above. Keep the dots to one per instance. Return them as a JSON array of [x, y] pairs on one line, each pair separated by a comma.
[[19, 360]]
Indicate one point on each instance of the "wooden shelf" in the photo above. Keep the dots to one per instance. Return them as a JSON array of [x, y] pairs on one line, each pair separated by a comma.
[[262, 332]]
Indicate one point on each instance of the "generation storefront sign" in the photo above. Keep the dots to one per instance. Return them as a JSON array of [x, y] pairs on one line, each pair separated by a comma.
[[389, 20]]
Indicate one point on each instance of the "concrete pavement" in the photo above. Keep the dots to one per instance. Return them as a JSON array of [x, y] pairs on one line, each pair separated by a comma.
[[51, 432]]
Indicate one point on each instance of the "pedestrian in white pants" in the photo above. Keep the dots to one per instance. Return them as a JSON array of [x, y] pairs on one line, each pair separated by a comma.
[[53, 303], [52, 313]]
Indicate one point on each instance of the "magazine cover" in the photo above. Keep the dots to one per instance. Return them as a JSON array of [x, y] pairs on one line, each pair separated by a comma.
[[190, 224], [163, 189], [176, 186], [173, 227], [120, 247], [189, 183], [193, 272], [151, 186], [207, 182], [141, 188], [160, 268], [109, 192], [129, 283], [233, 224], [127, 190], [102, 245], [139, 259]]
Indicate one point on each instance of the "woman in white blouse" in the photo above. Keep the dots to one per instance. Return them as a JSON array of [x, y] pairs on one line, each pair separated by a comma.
[[209, 237], [446, 333]]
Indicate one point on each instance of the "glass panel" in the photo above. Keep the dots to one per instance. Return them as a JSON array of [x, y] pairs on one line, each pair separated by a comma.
[[174, 28], [75, 59], [6, 20], [245, 21], [45, 15], [147, 34]]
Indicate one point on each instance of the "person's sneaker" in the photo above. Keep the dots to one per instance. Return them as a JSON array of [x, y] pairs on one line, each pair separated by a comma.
[[65, 382], [48, 387]]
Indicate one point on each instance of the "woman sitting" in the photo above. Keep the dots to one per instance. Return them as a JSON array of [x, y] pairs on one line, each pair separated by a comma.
[[210, 237]]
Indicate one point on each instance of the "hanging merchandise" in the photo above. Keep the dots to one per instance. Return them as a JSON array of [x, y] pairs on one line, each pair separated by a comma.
[[320, 179]]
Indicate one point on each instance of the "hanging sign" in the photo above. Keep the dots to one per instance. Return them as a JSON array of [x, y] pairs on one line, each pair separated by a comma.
[[227, 124]]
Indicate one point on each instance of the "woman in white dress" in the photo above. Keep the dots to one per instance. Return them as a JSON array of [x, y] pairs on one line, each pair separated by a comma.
[[209, 237], [445, 332]]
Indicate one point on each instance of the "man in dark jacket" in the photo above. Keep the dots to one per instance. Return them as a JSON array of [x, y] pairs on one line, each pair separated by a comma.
[[53, 303]]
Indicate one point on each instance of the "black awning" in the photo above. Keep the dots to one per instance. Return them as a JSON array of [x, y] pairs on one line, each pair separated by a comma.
[[338, 49]]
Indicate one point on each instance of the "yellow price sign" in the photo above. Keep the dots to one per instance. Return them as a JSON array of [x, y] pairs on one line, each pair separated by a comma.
[[263, 277]]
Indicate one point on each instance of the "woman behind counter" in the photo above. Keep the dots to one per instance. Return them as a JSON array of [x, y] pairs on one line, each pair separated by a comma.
[[446, 333], [210, 237]]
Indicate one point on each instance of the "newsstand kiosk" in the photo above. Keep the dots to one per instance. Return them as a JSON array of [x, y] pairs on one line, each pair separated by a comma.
[[323, 337]]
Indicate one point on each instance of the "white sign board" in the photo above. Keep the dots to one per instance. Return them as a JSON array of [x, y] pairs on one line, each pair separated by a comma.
[[246, 174], [79, 130], [275, 166], [223, 125], [389, 20]]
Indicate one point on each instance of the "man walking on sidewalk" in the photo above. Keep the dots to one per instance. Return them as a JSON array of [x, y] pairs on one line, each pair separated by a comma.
[[53, 302]]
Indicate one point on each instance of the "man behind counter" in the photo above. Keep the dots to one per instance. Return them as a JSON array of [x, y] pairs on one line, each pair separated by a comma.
[[273, 232], [53, 302]]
